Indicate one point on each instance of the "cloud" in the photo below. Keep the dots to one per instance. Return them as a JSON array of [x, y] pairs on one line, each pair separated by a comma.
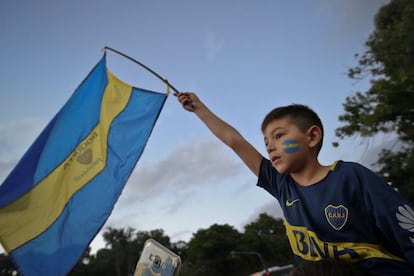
[[375, 146], [213, 45], [353, 18], [5, 169], [356, 14], [271, 208], [171, 192], [180, 173], [366, 150]]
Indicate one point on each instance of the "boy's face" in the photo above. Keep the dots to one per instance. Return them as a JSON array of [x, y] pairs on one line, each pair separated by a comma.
[[286, 145]]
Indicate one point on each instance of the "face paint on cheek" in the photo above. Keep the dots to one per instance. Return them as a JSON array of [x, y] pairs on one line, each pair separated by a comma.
[[290, 146]]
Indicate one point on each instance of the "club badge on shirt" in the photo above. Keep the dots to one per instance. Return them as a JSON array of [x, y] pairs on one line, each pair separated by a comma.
[[337, 216]]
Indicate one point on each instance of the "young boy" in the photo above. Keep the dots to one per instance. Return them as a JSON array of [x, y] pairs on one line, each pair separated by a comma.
[[343, 211]]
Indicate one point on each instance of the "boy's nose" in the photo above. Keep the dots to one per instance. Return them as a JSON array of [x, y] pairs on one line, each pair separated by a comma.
[[270, 148]]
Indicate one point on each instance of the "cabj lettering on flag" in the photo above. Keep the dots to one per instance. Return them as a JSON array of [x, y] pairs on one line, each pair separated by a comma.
[[62, 191]]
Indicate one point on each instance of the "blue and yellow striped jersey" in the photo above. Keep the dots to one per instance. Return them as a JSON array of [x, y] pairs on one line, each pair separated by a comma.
[[352, 215]]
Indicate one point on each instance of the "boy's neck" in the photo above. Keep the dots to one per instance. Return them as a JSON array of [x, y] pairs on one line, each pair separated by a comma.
[[311, 174]]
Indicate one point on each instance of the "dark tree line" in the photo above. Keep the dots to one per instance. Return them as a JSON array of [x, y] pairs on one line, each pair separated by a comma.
[[207, 253]]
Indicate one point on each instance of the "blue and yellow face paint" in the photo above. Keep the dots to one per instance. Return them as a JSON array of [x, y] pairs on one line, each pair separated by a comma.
[[290, 146]]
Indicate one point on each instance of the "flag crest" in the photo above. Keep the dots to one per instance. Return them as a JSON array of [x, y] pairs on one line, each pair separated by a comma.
[[64, 188]]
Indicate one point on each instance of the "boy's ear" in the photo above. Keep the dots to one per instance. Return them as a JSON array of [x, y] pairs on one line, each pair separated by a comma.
[[314, 134]]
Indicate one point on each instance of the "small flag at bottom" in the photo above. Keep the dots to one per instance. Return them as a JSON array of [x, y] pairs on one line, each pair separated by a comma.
[[59, 195]]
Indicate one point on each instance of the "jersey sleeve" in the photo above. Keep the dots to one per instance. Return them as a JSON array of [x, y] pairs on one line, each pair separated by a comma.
[[393, 214], [269, 178]]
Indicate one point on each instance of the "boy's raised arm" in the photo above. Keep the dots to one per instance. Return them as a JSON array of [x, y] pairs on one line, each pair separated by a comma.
[[225, 132]]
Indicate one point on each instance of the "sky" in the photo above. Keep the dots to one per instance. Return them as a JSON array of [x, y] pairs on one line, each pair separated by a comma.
[[242, 58]]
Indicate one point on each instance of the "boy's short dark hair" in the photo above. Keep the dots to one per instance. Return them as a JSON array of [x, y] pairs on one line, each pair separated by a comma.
[[300, 115]]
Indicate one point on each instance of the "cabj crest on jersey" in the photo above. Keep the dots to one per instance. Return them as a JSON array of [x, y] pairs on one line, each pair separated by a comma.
[[337, 216]]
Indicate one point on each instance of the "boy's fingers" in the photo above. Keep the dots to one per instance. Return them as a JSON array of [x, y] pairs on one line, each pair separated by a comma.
[[185, 99]]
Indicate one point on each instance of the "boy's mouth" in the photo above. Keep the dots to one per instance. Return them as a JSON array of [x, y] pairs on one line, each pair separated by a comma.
[[275, 159]]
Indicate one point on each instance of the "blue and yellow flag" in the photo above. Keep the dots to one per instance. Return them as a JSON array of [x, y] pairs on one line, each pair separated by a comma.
[[64, 188]]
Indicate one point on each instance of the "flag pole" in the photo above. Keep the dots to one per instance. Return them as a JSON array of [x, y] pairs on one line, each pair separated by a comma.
[[144, 66]]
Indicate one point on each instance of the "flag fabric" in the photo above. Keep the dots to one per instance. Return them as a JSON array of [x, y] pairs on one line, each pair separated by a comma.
[[59, 195]]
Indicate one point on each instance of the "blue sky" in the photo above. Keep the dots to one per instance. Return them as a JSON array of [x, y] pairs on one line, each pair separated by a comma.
[[243, 58]]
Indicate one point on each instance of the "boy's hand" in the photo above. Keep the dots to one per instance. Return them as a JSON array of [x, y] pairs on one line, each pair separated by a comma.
[[188, 100]]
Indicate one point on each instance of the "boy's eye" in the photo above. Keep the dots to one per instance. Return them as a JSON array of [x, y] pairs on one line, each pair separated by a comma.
[[278, 135]]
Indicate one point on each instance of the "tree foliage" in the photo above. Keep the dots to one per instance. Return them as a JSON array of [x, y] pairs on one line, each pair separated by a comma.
[[209, 251], [388, 105], [267, 235], [217, 250], [120, 255]]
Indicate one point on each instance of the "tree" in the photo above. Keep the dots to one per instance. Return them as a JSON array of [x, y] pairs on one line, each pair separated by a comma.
[[82, 267], [388, 105], [209, 251], [117, 258], [120, 256], [267, 235], [119, 240], [157, 234]]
